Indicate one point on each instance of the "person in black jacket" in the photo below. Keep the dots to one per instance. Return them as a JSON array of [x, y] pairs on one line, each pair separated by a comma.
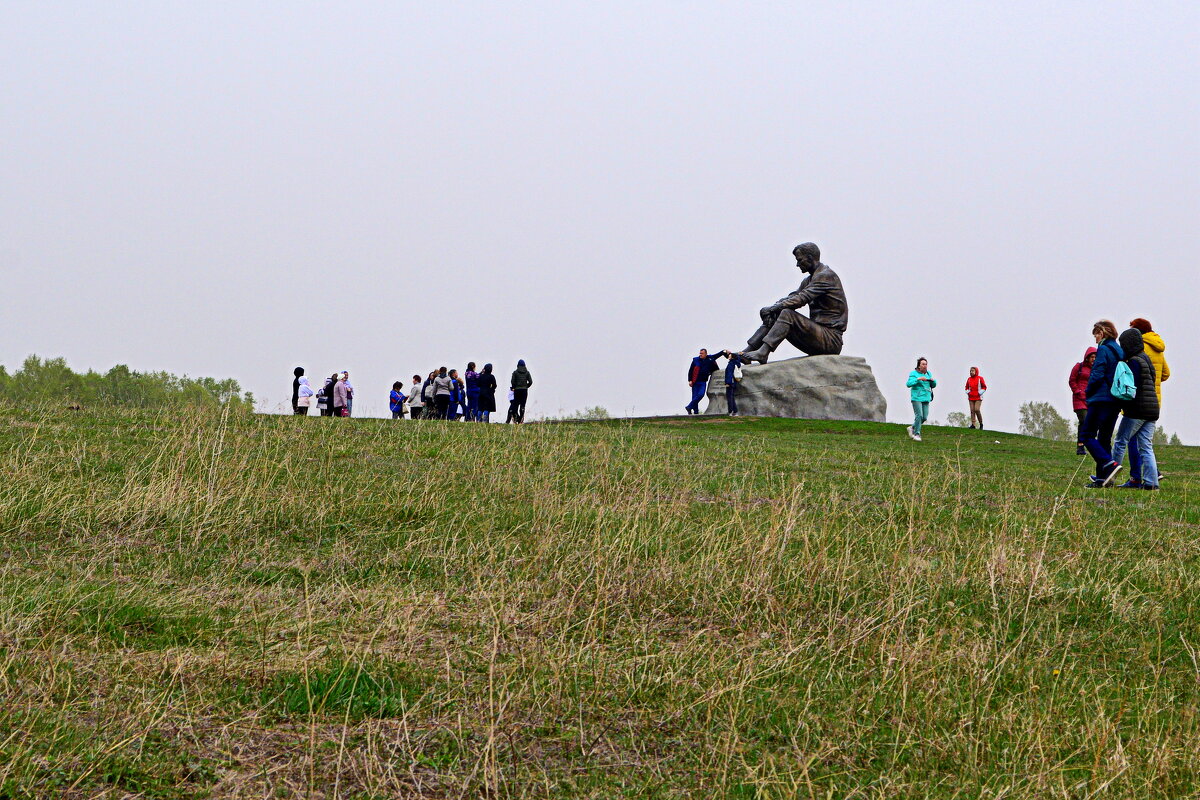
[[298, 371], [1140, 415], [487, 393]]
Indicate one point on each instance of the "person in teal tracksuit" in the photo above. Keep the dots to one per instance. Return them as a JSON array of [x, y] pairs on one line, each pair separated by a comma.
[[920, 389]]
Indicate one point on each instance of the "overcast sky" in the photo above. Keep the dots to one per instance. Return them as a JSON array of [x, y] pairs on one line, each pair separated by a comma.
[[599, 188]]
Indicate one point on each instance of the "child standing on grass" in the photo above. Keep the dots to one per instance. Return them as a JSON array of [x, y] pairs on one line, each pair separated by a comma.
[[920, 385], [976, 386]]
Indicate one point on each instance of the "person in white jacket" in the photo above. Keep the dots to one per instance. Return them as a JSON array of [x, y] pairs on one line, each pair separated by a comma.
[[416, 405], [304, 397]]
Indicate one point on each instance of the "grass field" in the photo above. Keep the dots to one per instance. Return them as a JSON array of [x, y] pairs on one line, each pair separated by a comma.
[[257, 606]]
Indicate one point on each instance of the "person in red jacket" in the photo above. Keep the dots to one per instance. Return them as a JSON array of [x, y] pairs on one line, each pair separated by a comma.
[[1078, 381], [976, 386]]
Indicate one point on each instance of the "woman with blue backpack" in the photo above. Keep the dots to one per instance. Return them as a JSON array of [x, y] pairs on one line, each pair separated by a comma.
[[1139, 415], [1102, 408]]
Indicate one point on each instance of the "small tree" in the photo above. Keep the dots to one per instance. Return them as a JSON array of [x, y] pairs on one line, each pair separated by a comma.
[[957, 419], [1042, 421], [594, 412], [1159, 439], [1175, 440]]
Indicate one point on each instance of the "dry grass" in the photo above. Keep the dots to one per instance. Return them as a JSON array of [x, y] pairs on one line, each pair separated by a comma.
[[259, 607]]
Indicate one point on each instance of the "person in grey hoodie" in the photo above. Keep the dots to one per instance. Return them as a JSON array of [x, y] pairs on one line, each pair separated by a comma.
[[442, 385], [520, 383]]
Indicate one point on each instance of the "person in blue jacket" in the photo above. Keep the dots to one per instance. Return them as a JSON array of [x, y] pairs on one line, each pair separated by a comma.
[[701, 368], [920, 390], [396, 400], [1102, 408]]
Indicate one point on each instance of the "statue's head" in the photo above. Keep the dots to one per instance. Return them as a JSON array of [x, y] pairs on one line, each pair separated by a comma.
[[808, 255]]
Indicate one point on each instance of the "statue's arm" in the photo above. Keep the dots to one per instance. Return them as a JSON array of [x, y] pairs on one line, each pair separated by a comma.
[[817, 286]]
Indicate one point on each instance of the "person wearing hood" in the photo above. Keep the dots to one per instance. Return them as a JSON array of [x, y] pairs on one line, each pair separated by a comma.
[[341, 397], [1102, 407], [519, 384], [297, 373], [487, 394], [1140, 416], [1078, 381], [304, 396], [976, 387], [1155, 349]]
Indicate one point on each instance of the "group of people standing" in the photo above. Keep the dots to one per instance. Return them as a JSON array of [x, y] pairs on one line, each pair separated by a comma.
[[334, 399], [443, 394], [1120, 378]]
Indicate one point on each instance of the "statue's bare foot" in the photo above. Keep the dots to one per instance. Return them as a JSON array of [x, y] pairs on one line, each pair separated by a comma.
[[760, 355]]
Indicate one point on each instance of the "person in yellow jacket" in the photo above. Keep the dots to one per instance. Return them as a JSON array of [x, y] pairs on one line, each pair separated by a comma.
[[1155, 347]]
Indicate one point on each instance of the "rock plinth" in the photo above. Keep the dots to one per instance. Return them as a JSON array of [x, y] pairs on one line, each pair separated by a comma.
[[811, 387]]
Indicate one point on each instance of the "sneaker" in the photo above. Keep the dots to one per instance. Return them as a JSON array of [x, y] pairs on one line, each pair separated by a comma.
[[1095, 484], [911, 435], [1150, 487], [1080, 450], [1131, 485], [1113, 469], [916, 437], [972, 427]]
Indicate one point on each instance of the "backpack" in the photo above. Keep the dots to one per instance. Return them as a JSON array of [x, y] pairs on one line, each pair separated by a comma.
[[1123, 387]]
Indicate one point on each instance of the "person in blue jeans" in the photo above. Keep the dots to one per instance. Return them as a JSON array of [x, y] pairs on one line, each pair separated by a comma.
[[731, 382], [920, 390], [1140, 415], [1102, 408], [701, 368]]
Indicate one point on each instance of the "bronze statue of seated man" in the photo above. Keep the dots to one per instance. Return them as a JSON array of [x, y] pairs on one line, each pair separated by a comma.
[[820, 333]]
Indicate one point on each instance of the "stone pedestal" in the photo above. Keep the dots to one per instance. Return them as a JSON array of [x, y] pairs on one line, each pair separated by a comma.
[[810, 387]]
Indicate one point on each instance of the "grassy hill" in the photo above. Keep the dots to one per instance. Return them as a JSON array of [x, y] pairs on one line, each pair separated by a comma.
[[248, 606]]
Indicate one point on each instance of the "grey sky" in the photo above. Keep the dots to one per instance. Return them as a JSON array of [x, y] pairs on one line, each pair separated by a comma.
[[600, 188]]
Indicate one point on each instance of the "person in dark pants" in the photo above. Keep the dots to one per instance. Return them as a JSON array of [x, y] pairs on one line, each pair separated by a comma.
[[443, 386], [701, 368], [520, 383], [325, 396], [396, 400], [1078, 381], [733, 376], [297, 372], [471, 381], [416, 405], [1102, 407], [487, 393]]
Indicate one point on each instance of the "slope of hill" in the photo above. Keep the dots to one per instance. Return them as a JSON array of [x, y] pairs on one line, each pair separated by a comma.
[[252, 606]]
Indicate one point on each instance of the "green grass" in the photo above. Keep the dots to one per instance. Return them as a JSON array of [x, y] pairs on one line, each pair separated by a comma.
[[243, 606]]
